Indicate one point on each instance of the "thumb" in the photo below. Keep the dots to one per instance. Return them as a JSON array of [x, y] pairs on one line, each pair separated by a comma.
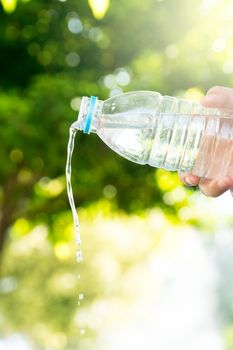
[[219, 97]]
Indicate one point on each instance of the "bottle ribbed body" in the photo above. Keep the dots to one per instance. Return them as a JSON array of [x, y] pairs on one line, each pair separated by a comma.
[[176, 142], [192, 138], [162, 131]]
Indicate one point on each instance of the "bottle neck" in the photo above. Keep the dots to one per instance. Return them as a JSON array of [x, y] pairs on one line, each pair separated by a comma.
[[89, 113]]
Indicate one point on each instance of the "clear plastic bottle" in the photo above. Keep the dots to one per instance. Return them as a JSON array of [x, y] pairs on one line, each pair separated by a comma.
[[162, 131]]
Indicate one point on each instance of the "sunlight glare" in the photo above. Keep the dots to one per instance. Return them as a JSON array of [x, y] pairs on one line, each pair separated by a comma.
[[9, 5], [99, 7]]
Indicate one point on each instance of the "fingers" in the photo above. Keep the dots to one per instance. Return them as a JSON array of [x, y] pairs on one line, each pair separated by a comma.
[[214, 188], [189, 179], [219, 97], [222, 98], [210, 188]]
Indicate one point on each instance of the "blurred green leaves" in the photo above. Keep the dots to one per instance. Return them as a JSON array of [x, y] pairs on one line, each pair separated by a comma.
[[99, 7], [54, 53]]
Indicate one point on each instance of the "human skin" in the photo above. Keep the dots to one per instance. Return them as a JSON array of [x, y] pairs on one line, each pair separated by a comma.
[[222, 98]]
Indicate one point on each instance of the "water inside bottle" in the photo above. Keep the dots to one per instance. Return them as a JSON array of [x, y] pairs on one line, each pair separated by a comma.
[[79, 254], [201, 144], [129, 134], [162, 140]]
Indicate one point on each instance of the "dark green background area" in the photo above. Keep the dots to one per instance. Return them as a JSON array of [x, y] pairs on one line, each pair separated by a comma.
[[37, 86]]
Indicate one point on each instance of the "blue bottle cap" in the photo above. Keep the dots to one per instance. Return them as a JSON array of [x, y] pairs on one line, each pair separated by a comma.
[[88, 118]]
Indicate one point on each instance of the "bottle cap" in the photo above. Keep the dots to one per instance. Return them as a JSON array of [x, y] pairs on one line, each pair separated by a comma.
[[89, 116]]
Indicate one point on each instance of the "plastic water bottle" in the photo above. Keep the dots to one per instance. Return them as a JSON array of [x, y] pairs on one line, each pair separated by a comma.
[[162, 131]]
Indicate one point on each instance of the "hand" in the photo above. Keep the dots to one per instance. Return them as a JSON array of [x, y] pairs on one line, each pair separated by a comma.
[[222, 98]]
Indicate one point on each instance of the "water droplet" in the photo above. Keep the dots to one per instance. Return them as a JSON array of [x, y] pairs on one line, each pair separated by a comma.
[[82, 331], [80, 296], [79, 256], [78, 241]]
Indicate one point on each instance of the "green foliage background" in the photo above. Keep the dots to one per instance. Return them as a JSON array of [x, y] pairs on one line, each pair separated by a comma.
[[51, 53]]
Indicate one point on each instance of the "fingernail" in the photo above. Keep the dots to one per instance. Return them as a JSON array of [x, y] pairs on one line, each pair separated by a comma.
[[189, 181], [209, 98]]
